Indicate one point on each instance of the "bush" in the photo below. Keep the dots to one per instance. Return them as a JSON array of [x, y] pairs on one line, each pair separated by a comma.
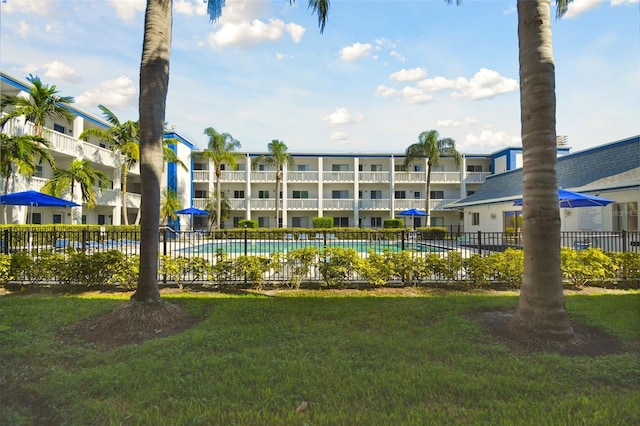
[[5, 269], [508, 267], [433, 233], [322, 222], [298, 264], [248, 224], [337, 265], [579, 267], [628, 267], [479, 268], [253, 268], [393, 224]]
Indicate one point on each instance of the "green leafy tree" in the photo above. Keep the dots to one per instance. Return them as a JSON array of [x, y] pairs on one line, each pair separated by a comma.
[[432, 148], [79, 173], [212, 208], [123, 137], [43, 102], [220, 149], [278, 158], [169, 205], [22, 155]]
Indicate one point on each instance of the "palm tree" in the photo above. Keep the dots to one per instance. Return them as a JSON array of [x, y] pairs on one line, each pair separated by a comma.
[[169, 205], [123, 137], [541, 309], [212, 208], [22, 155], [278, 159], [79, 172], [43, 102], [220, 149], [431, 148]]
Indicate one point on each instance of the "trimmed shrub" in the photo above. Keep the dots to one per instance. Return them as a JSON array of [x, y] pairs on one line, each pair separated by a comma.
[[322, 222], [247, 223], [393, 224], [579, 267], [433, 233]]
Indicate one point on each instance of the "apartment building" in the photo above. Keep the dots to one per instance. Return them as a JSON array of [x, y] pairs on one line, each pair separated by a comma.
[[356, 190]]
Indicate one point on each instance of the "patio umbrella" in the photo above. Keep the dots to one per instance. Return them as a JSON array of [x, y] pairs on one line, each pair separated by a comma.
[[192, 211], [412, 213], [568, 200], [34, 199]]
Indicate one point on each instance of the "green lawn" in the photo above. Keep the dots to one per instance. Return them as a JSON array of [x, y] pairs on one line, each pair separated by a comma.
[[357, 360]]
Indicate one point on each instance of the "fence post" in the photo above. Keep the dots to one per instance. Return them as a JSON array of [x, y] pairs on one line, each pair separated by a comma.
[[5, 242], [624, 240], [164, 241], [402, 243], [479, 242]]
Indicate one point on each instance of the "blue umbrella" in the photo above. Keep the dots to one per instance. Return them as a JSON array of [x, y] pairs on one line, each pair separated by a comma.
[[412, 213], [568, 199], [192, 211]]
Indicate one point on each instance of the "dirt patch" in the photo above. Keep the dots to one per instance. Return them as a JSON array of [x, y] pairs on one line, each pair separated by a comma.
[[588, 341]]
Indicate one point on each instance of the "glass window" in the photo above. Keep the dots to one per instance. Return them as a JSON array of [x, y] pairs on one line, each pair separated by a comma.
[[263, 194], [400, 195], [300, 194], [57, 218], [376, 222], [376, 195], [101, 219], [436, 195], [341, 222], [238, 194], [199, 194], [337, 195], [475, 218]]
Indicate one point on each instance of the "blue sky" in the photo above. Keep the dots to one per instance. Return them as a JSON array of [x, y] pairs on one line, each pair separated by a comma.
[[382, 72]]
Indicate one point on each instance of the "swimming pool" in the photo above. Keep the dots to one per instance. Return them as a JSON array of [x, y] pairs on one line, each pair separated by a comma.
[[273, 246]]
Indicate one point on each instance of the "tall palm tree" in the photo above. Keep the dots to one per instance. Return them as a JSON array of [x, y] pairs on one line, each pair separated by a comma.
[[124, 138], [431, 148], [278, 159], [169, 205], [212, 208], [220, 149], [22, 155], [43, 102], [81, 173], [541, 308]]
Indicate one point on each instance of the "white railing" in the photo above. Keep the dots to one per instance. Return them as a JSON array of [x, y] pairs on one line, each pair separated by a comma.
[[133, 200], [263, 176], [108, 197], [201, 175], [338, 176], [233, 176], [238, 204], [374, 177], [410, 177], [476, 177], [445, 177], [263, 204], [378, 204], [302, 176], [341, 204], [302, 204]]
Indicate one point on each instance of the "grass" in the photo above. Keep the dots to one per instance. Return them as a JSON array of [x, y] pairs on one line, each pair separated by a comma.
[[357, 360]]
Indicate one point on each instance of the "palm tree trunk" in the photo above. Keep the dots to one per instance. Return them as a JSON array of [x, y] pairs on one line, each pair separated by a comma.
[[124, 197], [218, 198], [428, 196], [541, 309], [278, 180], [154, 83]]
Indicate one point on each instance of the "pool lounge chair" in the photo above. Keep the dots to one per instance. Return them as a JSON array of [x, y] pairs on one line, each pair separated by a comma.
[[302, 237]]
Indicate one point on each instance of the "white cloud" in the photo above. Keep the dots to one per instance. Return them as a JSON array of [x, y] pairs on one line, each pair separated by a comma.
[[485, 84], [355, 51], [117, 93], [488, 139], [341, 116], [57, 71], [398, 56], [27, 6], [127, 10], [23, 29], [250, 33], [466, 122], [413, 95], [342, 137], [283, 56], [386, 92], [437, 84], [188, 7], [578, 7], [412, 74]]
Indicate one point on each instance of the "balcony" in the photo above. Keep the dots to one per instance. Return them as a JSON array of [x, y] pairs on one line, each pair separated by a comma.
[[341, 204], [263, 204], [302, 204], [381, 204], [235, 176], [338, 176], [410, 177], [476, 177], [133, 200], [201, 175], [373, 177], [262, 177], [108, 197], [445, 177], [302, 176]]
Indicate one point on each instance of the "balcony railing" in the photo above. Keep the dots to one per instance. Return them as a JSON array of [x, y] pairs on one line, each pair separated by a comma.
[[133, 200], [378, 204], [445, 177], [108, 197], [341, 204], [410, 177], [302, 176], [338, 176], [302, 204], [262, 177], [235, 176], [476, 177], [201, 175], [263, 204], [374, 177]]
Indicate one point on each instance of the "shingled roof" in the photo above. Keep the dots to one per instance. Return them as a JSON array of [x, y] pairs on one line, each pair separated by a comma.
[[615, 165]]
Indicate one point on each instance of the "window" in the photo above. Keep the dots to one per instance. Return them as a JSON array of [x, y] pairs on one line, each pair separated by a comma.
[[101, 219], [59, 128], [475, 218], [436, 195], [57, 218], [359, 195], [236, 221], [263, 222], [263, 194], [297, 222], [437, 221], [262, 167], [438, 168], [625, 216], [400, 195], [300, 194], [376, 195], [376, 222], [35, 218], [38, 172], [102, 145], [417, 168], [83, 219], [240, 167], [301, 167], [238, 194], [474, 168], [200, 166], [341, 222], [360, 167], [339, 167], [417, 194], [198, 193], [399, 168], [376, 167], [338, 195], [223, 166]]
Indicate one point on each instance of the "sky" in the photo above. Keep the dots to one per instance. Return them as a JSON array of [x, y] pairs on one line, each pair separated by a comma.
[[382, 72]]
